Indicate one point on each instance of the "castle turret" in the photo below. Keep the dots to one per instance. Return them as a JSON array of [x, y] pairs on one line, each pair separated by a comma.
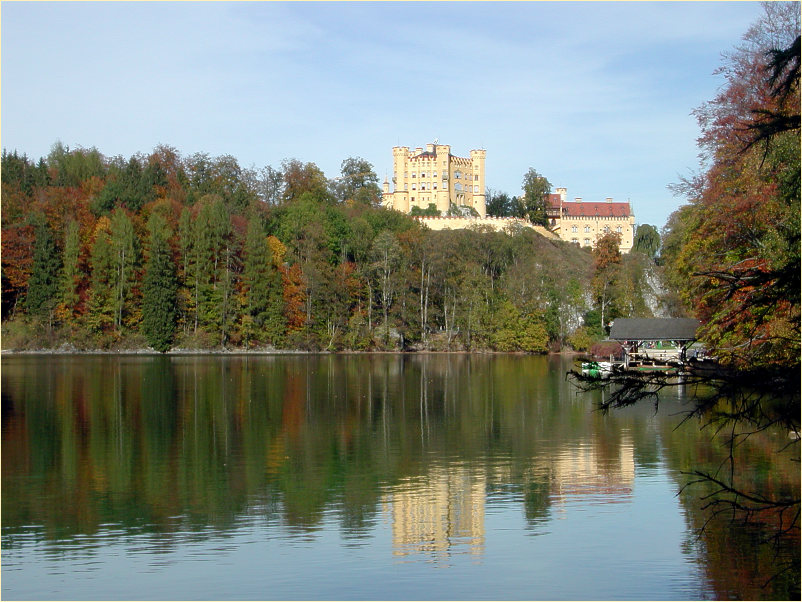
[[478, 165]]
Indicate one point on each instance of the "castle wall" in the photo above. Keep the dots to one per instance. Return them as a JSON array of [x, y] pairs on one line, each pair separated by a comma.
[[497, 224]]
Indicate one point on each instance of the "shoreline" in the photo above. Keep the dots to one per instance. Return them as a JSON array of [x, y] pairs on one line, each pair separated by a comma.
[[178, 352]]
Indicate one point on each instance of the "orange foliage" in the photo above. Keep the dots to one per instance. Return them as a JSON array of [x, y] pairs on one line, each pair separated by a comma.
[[17, 258], [294, 296]]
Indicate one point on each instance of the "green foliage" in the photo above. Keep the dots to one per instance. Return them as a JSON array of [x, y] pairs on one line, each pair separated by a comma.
[[515, 331], [534, 201], [304, 178], [43, 286], [431, 211], [18, 172], [581, 339], [125, 252], [263, 289], [100, 316], [72, 168], [327, 277], [131, 186], [357, 182], [501, 204], [159, 287], [72, 275], [460, 210], [647, 240]]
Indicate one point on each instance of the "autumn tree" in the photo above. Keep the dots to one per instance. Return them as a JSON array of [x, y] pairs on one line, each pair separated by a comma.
[[300, 178], [733, 252], [72, 273], [101, 311], [734, 249], [606, 273], [125, 254]]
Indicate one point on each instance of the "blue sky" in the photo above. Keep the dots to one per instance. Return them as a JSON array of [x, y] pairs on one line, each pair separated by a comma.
[[595, 96]]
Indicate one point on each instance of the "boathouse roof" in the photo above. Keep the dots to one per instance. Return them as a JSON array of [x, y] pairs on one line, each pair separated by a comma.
[[654, 329]]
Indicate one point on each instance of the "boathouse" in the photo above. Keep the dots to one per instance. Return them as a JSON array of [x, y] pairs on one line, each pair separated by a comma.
[[654, 340]]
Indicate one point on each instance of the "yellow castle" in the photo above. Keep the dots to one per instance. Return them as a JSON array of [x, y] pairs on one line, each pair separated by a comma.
[[435, 176]]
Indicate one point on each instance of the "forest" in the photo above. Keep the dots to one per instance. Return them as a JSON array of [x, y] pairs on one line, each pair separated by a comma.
[[165, 251], [196, 252]]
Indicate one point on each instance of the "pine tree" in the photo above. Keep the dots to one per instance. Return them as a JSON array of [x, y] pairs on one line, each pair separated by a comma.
[[44, 282], [263, 287], [159, 287], [71, 274]]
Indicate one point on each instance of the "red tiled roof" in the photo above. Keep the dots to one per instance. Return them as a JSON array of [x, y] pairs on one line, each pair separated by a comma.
[[583, 209]]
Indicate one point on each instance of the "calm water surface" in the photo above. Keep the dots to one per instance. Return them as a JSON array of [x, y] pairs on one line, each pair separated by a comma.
[[359, 477]]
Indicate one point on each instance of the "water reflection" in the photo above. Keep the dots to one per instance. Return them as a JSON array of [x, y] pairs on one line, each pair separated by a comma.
[[166, 452], [439, 513]]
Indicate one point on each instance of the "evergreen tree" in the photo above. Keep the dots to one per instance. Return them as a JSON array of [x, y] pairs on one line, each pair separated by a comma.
[[71, 274], [262, 280], [159, 287], [44, 282]]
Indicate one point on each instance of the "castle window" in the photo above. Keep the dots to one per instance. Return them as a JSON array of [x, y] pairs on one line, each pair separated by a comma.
[[587, 228], [434, 185], [458, 187], [576, 240], [413, 187], [618, 229], [476, 177], [423, 174], [405, 185], [423, 185], [458, 174], [587, 242], [434, 174], [573, 229], [476, 190], [413, 174], [606, 229]]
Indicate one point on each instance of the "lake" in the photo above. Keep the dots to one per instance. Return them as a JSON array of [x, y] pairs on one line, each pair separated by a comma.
[[436, 476]]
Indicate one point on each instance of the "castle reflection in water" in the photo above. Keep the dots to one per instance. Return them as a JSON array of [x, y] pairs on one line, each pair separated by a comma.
[[443, 512]]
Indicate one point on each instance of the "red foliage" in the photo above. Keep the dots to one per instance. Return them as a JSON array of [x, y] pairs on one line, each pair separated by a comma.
[[17, 258]]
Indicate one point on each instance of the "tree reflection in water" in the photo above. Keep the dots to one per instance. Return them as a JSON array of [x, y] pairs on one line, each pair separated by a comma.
[[183, 446]]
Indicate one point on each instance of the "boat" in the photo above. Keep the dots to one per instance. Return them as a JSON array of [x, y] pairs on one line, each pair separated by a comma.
[[596, 369]]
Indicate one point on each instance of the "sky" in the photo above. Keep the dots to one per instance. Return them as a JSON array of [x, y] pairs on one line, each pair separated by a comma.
[[597, 96]]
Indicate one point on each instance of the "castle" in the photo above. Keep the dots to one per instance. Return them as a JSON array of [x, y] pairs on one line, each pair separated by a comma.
[[583, 222], [435, 176]]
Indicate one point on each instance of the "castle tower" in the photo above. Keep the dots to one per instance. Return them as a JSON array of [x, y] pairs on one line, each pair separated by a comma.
[[478, 166], [434, 177]]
